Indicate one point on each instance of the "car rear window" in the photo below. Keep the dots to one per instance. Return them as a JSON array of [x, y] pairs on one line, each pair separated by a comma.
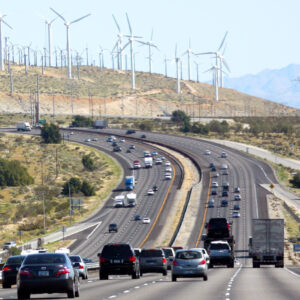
[[216, 223], [111, 251], [168, 252], [188, 255], [75, 259], [219, 247], [45, 259], [152, 253], [15, 260]]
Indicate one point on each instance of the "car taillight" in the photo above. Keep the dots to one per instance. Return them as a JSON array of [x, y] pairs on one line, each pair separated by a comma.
[[164, 260], [175, 262], [202, 262], [6, 268], [228, 226], [81, 266], [24, 272], [102, 259], [62, 271], [131, 259]]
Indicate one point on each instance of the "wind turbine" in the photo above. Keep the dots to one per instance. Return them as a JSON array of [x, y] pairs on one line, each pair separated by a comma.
[[1, 48], [177, 61], [219, 58], [132, 38], [67, 24], [118, 45], [150, 44], [188, 52], [49, 23]]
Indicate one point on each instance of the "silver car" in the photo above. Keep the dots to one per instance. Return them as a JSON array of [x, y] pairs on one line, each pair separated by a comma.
[[170, 255], [189, 263], [79, 265], [153, 261]]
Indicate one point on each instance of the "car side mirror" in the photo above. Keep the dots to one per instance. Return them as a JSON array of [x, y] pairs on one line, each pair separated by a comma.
[[205, 225], [99, 254]]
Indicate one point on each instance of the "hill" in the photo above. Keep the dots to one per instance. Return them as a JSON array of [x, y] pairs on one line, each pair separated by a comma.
[[109, 92], [276, 85]]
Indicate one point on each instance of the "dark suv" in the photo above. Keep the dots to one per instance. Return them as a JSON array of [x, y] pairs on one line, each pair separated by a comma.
[[118, 259], [218, 228], [10, 270], [153, 261], [113, 227]]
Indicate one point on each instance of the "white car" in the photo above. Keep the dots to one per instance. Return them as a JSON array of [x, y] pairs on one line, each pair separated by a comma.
[[158, 161], [169, 169], [150, 192], [146, 221], [223, 154], [167, 163], [94, 139], [71, 133], [122, 140], [87, 140], [214, 184], [168, 176], [207, 152], [237, 197], [236, 214], [224, 167]]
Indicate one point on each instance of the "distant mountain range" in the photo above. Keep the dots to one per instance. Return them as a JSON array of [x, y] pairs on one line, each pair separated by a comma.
[[276, 85]]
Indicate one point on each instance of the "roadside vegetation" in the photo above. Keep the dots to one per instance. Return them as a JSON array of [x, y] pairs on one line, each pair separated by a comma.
[[48, 169]]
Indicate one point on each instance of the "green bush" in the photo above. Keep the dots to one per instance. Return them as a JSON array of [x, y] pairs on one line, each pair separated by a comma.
[[88, 162], [87, 189], [50, 134], [73, 184], [14, 251], [296, 180], [81, 121]]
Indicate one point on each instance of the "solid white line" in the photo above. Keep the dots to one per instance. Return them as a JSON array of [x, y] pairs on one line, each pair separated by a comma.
[[113, 296], [94, 230], [293, 273], [127, 291]]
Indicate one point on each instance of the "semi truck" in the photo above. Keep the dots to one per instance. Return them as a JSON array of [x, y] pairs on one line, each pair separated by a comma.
[[131, 199], [119, 201], [267, 242], [129, 183], [100, 124], [148, 162], [23, 126]]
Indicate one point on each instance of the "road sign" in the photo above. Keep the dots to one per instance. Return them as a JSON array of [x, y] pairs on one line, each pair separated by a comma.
[[42, 121], [296, 247], [272, 186], [63, 228]]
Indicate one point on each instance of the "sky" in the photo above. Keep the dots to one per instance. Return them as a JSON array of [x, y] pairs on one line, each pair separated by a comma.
[[262, 34]]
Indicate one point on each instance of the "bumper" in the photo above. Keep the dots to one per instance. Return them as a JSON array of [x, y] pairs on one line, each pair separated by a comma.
[[220, 260], [153, 269], [9, 278], [199, 272], [118, 270]]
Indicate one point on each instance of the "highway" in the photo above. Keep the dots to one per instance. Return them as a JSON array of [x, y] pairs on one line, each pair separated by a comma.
[[241, 282]]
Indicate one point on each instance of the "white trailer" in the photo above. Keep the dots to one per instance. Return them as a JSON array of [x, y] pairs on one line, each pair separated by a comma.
[[131, 199], [23, 126], [148, 162], [119, 201]]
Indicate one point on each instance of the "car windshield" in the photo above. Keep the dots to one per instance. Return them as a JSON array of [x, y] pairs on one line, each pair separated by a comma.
[[15, 260], [168, 252], [219, 247], [45, 259], [151, 253], [75, 258], [188, 255], [111, 251]]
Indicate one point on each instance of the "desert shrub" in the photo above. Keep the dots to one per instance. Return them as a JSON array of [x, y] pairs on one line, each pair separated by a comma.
[[87, 189], [72, 186], [88, 162], [50, 134]]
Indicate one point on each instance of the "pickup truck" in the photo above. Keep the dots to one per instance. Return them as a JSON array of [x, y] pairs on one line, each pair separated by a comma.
[[220, 253]]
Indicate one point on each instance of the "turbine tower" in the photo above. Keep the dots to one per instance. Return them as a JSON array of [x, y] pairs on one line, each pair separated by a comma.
[[177, 61], [49, 23], [68, 24], [132, 38], [189, 51], [1, 47], [118, 45]]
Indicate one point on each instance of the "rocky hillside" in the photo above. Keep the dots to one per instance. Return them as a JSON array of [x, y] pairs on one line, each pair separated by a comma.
[[109, 93]]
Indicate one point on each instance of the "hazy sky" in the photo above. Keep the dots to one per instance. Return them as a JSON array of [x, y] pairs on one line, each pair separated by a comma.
[[262, 33]]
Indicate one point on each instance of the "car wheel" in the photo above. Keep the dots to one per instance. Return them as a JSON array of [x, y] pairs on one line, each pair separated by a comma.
[[141, 274], [71, 293], [86, 276], [174, 278], [165, 273], [231, 265], [23, 295], [205, 277], [103, 276], [6, 285], [77, 292]]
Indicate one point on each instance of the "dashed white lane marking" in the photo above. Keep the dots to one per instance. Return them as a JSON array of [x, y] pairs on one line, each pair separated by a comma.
[[127, 291], [136, 287], [293, 273], [227, 294], [113, 296]]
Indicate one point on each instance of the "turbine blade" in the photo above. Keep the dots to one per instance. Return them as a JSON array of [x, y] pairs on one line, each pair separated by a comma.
[[52, 20], [190, 43], [7, 24], [116, 23], [226, 65], [58, 14], [116, 45], [151, 37], [129, 24], [77, 20], [125, 46], [205, 53], [141, 42], [184, 53], [224, 49], [221, 45], [137, 37], [211, 69]]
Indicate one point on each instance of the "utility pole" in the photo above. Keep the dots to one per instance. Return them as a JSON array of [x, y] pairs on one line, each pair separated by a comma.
[[11, 83], [53, 107], [38, 99]]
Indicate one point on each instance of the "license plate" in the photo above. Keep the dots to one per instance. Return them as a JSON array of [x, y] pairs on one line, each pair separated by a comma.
[[188, 272], [43, 273], [117, 261]]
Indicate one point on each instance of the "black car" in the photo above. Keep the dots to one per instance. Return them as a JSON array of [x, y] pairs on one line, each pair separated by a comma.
[[143, 136], [114, 143], [211, 165], [47, 273], [214, 192], [218, 228], [10, 270], [117, 149], [137, 218], [155, 188], [130, 131], [213, 169], [118, 259], [113, 227], [153, 261], [224, 203], [225, 194]]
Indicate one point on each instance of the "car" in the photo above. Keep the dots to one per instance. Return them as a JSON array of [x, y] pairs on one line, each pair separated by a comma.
[[130, 131], [155, 188], [211, 203], [113, 137], [79, 265], [117, 149], [237, 197], [236, 214], [150, 192], [224, 193], [143, 136], [146, 221], [158, 161], [88, 260], [175, 248], [136, 164], [114, 143], [118, 259], [131, 146], [214, 184], [128, 151], [226, 186], [162, 158], [94, 139], [224, 167], [189, 263], [220, 254], [216, 175], [170, 255], [47, 273], [211, 165], [224, 203], [154, 153], [237, 190], [168, 176], [71, 133], [109, 139], [167, 163], [8, 245], [204, 253], [223, 155], [122, 140], [213, 169], [225, 172], [218, 228], [153, 261], [137, 252], [207, 152], [236, 207], [113, 227], [87, 140], [214, 193], [10, 270], [137, 218], [168, 169]]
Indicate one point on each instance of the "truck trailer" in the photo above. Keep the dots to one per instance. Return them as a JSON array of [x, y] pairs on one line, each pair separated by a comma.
[[148, 162], [131, 199], [23, 126], [267, 242], [100, 124]]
